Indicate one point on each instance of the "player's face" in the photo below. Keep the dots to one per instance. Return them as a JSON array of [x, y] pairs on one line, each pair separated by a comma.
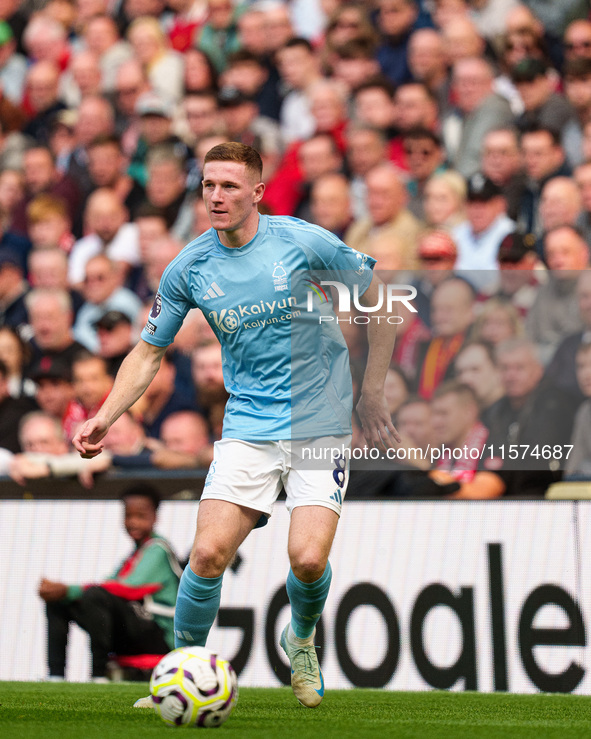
[[231, 193]]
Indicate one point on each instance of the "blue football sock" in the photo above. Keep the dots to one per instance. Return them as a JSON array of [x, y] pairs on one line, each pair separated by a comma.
[[307, 602], [197, 604]]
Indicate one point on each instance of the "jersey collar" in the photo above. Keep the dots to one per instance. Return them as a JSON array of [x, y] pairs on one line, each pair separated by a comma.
[[252, 244]]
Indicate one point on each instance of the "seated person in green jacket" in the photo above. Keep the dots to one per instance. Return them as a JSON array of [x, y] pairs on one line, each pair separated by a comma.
[[132, 611]]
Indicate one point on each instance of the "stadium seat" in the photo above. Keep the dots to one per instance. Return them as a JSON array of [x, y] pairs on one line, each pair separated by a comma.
[[133, 667]]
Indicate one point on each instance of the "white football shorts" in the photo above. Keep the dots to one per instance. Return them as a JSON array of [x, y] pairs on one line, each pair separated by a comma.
[[251, 474]]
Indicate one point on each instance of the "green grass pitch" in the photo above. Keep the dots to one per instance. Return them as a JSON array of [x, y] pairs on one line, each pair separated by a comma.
[[88, 711]]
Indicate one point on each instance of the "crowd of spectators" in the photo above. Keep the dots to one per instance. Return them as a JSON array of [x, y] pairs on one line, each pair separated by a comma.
[[449, 139]]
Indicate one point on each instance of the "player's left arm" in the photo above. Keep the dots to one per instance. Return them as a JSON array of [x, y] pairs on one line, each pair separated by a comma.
[[372, 407]]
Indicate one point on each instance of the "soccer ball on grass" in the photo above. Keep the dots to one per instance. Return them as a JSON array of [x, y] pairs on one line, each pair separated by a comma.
[[191, 686]]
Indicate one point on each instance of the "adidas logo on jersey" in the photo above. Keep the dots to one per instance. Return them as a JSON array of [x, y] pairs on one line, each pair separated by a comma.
[[215, 291]]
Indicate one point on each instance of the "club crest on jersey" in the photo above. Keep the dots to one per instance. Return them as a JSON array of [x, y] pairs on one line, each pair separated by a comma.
[[227, 321], [279, 276], [156, 306]]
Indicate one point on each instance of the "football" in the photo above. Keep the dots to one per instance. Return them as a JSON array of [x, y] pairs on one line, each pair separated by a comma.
[[191, 686]]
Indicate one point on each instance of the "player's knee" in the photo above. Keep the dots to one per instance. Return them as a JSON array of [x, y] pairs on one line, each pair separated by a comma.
[[308, 565], [208, 560]]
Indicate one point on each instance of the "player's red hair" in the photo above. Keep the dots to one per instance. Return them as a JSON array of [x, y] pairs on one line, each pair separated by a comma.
[[235, 152]]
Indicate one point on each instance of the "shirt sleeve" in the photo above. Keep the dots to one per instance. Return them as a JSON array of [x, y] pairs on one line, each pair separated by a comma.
[[334, 260], [171, 304]]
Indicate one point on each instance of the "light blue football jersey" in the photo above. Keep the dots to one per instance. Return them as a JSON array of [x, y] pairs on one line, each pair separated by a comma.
[[283, 383]]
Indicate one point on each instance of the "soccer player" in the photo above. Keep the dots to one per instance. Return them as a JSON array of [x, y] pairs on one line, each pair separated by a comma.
[[238, 273]]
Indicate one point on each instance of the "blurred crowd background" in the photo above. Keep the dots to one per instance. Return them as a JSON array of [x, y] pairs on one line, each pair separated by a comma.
[[449, 139]]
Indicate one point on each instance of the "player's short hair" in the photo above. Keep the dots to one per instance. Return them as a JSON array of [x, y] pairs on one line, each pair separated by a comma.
[[235, 152], [142, 490]]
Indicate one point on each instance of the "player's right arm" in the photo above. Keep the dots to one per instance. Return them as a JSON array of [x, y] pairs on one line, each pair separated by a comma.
[[135, 374]]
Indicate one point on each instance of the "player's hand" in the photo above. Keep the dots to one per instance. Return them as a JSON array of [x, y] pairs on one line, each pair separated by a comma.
[[376, 423], [52, 591], [88, 437]]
